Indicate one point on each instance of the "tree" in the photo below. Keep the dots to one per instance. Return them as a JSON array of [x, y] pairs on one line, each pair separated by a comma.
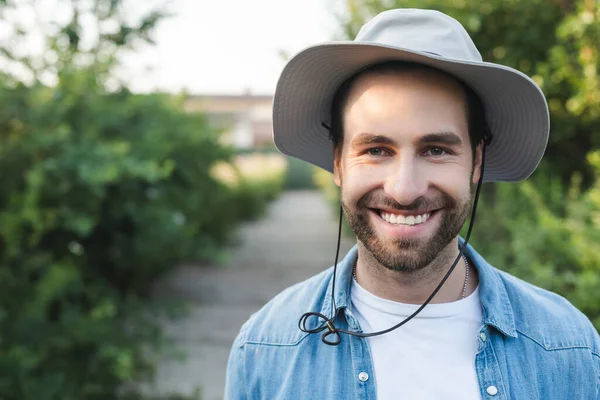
[[45, 39], [102, 191]]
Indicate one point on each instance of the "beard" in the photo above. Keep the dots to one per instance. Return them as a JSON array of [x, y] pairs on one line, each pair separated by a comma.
[[407, 255]]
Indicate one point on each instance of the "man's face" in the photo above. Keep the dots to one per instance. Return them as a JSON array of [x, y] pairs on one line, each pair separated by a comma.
[[405, 167]]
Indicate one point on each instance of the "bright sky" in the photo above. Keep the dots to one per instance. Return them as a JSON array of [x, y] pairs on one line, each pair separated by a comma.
[[228, 46]]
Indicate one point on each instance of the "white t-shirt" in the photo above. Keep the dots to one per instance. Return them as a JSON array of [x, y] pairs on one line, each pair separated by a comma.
[[432, 356]]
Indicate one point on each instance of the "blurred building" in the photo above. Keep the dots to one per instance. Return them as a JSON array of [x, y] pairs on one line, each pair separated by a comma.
[[244, 119]]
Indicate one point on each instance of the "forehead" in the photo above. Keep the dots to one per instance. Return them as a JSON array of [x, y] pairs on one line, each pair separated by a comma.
[[414, 101]]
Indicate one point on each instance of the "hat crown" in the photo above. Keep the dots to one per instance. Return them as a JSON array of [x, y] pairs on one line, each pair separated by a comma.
[[423, 31]]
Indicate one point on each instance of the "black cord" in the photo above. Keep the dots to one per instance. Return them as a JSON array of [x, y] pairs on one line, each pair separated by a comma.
[[329, 322]]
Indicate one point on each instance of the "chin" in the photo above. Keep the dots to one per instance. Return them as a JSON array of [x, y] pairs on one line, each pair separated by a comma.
[[406, 255]]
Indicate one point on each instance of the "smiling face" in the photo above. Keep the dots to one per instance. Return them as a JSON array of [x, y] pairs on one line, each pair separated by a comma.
[[405, 165]]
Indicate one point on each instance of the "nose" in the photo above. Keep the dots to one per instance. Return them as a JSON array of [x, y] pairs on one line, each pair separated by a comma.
[[406, 181]]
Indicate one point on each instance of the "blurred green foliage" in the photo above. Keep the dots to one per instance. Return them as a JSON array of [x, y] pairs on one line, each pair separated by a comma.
[[299, 175], [255, 178], [522, 233], [102, 192], [545, 230]]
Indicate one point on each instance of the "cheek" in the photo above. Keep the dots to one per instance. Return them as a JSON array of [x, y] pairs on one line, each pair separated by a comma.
[[358, 180], [454, 181]]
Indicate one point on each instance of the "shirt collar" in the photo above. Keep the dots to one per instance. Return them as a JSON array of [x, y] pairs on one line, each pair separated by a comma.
[[343, 282], [496, 306]]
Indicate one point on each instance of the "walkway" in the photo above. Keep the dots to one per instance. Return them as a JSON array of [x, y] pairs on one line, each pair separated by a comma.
[[295, 240]]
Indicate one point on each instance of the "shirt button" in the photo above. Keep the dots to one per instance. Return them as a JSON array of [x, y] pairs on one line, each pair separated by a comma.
[[363, 377], [483, 336], [492, 390]]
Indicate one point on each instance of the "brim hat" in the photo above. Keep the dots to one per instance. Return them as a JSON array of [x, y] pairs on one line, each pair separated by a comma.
[[515, 107]]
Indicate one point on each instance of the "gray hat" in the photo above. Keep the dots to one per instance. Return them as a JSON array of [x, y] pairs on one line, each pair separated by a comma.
[[516, 110]]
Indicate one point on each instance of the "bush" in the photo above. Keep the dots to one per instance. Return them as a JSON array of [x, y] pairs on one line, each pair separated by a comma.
[[300, 174], [548, 236], [101, 194], [254, 180]]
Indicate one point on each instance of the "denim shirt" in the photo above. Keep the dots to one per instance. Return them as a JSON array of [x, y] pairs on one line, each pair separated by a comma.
[[533, 344]]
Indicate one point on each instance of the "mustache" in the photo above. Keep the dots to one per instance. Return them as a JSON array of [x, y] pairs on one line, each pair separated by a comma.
[[379, 200]]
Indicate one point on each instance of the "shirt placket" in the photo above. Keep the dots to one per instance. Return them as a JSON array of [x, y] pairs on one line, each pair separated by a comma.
[[488, 369], [363, 377]]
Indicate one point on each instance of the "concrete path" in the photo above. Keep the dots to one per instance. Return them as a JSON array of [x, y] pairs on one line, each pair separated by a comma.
[[294, 241]]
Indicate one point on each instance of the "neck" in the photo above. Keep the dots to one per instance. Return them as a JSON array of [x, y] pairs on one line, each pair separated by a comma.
[[415, 287]]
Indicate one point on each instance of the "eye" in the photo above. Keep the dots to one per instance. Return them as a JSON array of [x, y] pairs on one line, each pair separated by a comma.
[[436, 151], [376, 151]]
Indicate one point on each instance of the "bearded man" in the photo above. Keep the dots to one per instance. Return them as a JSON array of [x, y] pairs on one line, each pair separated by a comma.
[[409, 119]]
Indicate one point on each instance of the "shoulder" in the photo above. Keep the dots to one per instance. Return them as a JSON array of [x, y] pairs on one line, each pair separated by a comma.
[[548, 318], [276, 323]]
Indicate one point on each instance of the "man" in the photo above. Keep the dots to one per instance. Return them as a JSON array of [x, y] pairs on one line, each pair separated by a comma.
[[408, 118]]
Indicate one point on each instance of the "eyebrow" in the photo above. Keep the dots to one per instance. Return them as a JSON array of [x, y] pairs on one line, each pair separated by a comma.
[[368, 138], [445, 138]]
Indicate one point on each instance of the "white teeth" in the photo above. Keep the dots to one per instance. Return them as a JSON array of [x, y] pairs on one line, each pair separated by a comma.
[[402, 220]]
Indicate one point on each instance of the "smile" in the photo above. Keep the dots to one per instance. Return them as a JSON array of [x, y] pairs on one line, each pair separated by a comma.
[[404, 220]]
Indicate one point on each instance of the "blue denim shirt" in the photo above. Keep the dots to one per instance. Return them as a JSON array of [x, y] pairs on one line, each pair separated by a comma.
[[533, 344]]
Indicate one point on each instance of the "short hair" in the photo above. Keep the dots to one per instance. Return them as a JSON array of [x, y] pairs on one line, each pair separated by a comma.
[[474, 107]]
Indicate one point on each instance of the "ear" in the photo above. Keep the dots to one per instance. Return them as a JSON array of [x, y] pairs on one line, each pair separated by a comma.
[[477, 164], [337, 174], [337, 170]]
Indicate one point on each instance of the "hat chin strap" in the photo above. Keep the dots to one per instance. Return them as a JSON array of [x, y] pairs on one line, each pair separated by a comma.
[[333, 336]]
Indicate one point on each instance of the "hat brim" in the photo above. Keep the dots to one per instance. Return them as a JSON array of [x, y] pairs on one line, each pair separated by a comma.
[[516, 110]]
